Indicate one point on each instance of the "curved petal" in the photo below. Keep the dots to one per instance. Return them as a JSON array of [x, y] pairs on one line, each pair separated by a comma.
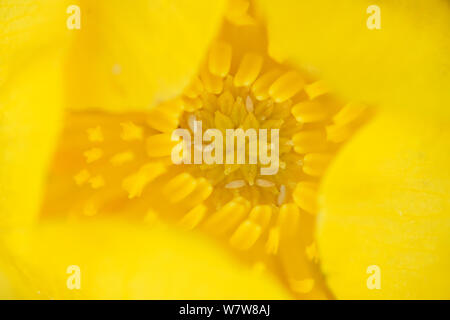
[[386, 203], [30, 114], [405, 64], [32, 40], [120, 261], [130, 57], [30, 29]]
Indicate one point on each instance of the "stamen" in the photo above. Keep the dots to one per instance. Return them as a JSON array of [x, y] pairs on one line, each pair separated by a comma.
[[261, 86], [130, 131], [307, 141], [264, 183], [305, 196], [220, 59], [165, 117], [346, 121], [95, 134], [93, 154], [82, 177], [193, 217], [338, 133], [273, 241], [212, 83], [135, 183], [249, 70], [228, 216], [246, 235], [316, 163], [191, 105], [309, 111], [235, 184], [222, 122], [316, 89], [349, 113], [191, 122], [194, 89], [97, 182], [122, 158], [261, 215], [281, 195], [249, 104], [286, 86], [202, 191], [288, 219], [180, 187], [226, 102]]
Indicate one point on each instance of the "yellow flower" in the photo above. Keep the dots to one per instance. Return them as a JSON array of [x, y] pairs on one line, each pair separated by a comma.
[[112, 203]]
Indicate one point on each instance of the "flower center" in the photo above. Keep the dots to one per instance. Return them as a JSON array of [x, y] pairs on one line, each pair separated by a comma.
[[238, 200], [125, 164]]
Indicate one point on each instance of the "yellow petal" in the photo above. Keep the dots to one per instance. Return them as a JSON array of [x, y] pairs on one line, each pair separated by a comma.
[[33, 35], [118, 261], [131, 56], [385, 203], [6, 291], [30, 110], [30, 29], [404, 64]]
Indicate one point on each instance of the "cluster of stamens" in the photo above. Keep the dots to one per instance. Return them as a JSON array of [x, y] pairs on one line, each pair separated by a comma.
[[235, 199], [229, 200]]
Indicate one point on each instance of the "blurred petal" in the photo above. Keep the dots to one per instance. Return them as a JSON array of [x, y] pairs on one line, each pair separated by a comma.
[[6, 292], [120, 261], [130, 57], [386, 203], [405, 64], [31, 105], [30, 29], [33, 37]]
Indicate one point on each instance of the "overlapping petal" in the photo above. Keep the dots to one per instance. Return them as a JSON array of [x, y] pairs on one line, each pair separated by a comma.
[[403, 65], [30, 29], [130, 56], [385, 202], [33, 38], [30, 117], [113, 260]]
